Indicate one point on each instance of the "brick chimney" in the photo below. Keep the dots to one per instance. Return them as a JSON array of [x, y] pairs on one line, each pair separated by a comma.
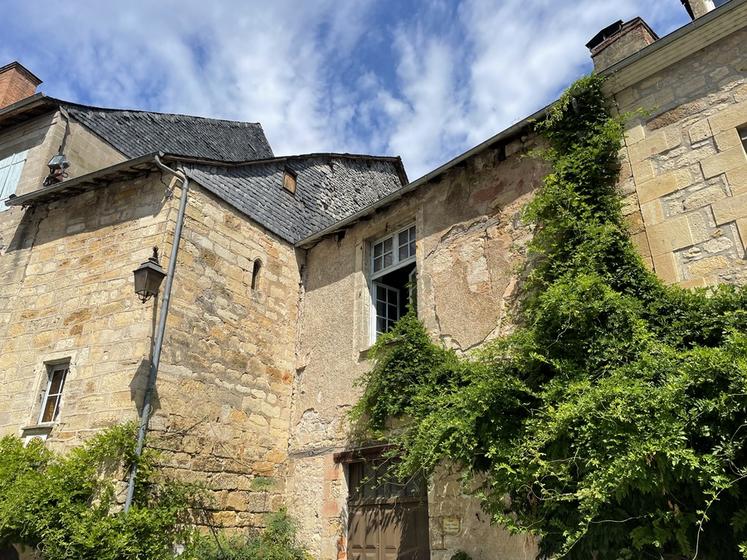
[[618, 41], [16, 83]]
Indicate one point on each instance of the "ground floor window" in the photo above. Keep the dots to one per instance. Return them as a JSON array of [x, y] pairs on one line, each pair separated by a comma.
[[56, 375]]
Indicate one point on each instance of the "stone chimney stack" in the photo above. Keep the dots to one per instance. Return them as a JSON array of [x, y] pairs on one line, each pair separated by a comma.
[[620, 40], [16, 83], [697, 8]]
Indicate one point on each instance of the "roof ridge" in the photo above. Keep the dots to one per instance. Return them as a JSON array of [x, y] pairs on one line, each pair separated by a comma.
[[275, 159], [143, 111]]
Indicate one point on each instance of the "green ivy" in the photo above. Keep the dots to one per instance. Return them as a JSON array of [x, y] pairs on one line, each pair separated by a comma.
[[612, 423]]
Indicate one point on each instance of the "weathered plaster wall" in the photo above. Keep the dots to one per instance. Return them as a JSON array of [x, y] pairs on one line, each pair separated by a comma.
[[686, 169], [470, 244]]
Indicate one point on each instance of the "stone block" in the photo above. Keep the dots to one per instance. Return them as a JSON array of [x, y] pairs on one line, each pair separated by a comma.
[[734, 116], [640, 240], [701, 226], [699, 131], [737, 179], [659, 141], [692, 283], [634, 134], [742, 228], [730, 209], [708, 266], [642, 170], [723, 162], [727, 139], [665, 267], [669, 235], [663, 185]]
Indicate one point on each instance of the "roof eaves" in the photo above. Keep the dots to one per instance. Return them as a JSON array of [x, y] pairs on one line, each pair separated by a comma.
[[119, 171]]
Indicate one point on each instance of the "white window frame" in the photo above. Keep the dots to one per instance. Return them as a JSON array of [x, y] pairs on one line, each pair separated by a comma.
[[396, 264], [52, 368], [11, 168]]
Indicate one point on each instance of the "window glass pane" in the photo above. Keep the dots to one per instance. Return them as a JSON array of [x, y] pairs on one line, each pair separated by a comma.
[[378, 263], [381, 325], [49, 409], [380, 308], [378, 249], [388, 259], [54, 387], [406, 241], [387, 245]]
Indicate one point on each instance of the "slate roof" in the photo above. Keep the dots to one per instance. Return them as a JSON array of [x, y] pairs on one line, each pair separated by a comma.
[[231, 159], [136, 133], [330, 187]]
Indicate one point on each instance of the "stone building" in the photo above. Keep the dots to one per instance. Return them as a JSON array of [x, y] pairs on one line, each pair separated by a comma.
[[290, 266]]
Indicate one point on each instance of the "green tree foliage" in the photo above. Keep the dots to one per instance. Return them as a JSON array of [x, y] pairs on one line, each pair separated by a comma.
[[612, 423], [65, 506]]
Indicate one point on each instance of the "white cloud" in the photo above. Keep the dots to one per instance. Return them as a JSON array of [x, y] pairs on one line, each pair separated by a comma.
[[518, 54], [425, 80]]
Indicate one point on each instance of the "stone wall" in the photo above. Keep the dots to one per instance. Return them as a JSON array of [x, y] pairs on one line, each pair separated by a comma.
[[42, 137], [685, 167], [223, 393], [71, 297], [469, 246], [224, 383]]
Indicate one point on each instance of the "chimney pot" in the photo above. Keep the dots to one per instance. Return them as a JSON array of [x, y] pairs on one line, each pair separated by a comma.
[[16, 83], [618, 41]]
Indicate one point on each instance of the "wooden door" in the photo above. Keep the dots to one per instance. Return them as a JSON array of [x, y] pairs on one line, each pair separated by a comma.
[[387, 521]]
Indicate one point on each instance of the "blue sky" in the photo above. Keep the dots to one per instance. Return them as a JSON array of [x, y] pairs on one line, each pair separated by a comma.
[[426, 79]]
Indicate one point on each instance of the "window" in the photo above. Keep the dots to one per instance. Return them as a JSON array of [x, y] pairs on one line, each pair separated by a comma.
[[392, 278], [256, 269], [56, 375], [289, 180], [10, 173]]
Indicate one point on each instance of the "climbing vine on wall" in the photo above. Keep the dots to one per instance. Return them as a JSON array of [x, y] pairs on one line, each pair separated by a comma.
[[612, 423]]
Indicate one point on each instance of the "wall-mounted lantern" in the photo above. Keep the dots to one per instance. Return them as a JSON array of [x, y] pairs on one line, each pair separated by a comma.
[[148, 277], [57, 166]]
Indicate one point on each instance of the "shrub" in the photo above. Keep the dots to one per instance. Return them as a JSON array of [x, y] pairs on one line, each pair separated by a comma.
[[276, 542], [65, 505]]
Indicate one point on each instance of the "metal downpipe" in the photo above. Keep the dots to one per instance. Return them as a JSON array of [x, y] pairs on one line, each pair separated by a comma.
[[158, 340]]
